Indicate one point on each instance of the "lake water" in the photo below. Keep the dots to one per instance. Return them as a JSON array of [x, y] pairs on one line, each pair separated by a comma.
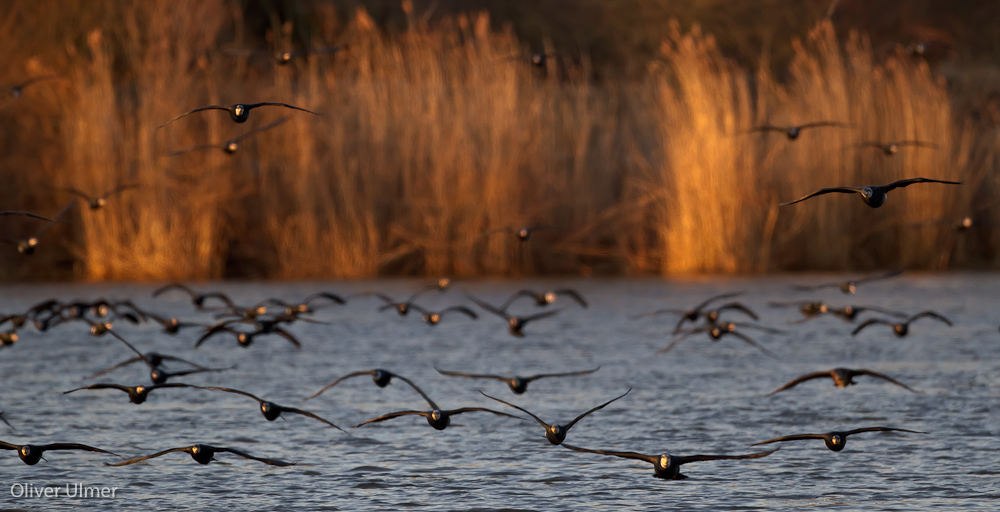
[[702, 397]]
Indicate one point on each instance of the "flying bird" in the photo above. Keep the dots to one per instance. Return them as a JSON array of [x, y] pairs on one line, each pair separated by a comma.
[[545, 298], [98, 202], [434, 317], [516, 383], [523, 234], [515, 324], [556, 433], [793, 132], [25, 214], [872, 195], [17, 90], [231, 145], [203, 454], [381, 377], [136, 394], [891, 148], [246, 338], [718, 331], [903, 328], [285, 57], [836, 441], [842, 377], [271, 410], [198, 299], [30, 454], [668, 466], [849, 286], [238, 112], [28, 245], [693, 314], [437, 418]]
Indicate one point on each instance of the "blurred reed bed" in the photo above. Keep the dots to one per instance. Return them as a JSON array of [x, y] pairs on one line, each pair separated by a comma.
[[434, 139]]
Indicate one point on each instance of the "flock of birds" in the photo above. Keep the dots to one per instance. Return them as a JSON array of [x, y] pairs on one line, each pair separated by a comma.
[[275, 317]]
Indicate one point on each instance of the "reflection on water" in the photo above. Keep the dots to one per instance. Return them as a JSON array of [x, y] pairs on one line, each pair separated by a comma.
[[702, 397]]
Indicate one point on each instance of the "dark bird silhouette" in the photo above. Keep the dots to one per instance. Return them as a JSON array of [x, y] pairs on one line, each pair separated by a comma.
[[872, 195], [28, 245], [238, 112], [25, 214], [690, 315], [154, 361], [382, 378], [903, 328], [437, 418], [523, 234], [516, 383], [849, 286], [172, 325], [849, 313], [402, 308], [17, 90], [283, 58], [434, 317], [271, 410], [203, 454], [231, 145], [891, 148], [793, 132], [556, 433], [198, 299], [136, 394], [842, 377], [515, 324], [545, 298], [718, 331], [246, 338], [98, 202], [836, 441], [668, 466], [30, 454]]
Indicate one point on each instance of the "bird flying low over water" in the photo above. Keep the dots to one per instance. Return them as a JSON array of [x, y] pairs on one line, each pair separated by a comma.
[[136, 394], [903, 328], [437, 418], [30, 454], [842, 377], [836, 441], [872, 195], [693, 314], [271, 410], [793, 131], [556, 433], [203, 454], [238, 112], [516, 384], [231, 145], [515, 324], [545, 298], [434, 317], [198, 299], [718, 331], [668, 466], [849, 286], [381, 377]]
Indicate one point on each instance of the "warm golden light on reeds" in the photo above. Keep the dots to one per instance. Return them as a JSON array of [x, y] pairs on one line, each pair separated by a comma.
[[435, 137]]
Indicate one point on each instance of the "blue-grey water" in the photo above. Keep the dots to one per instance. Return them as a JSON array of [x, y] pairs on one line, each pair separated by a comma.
[[702, 397]]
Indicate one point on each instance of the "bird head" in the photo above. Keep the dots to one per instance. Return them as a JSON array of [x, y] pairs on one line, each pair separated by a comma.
[[436, 415], [432, 318], [538, 59], [664, 461], [244, 339], [523, 234], [381, 378], [97, 203], [16, 92], [284, 57], [549, 297], [231, 147], [892, 148], [793, 132]]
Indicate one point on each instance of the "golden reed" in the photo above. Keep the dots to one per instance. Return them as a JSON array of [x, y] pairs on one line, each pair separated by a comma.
[[435, 136]]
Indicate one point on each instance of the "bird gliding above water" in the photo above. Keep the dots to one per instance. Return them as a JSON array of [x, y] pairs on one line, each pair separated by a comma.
[[203, 454], [556, 433], [517, 384], [842, 377], [836, 441], [668, 466]]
